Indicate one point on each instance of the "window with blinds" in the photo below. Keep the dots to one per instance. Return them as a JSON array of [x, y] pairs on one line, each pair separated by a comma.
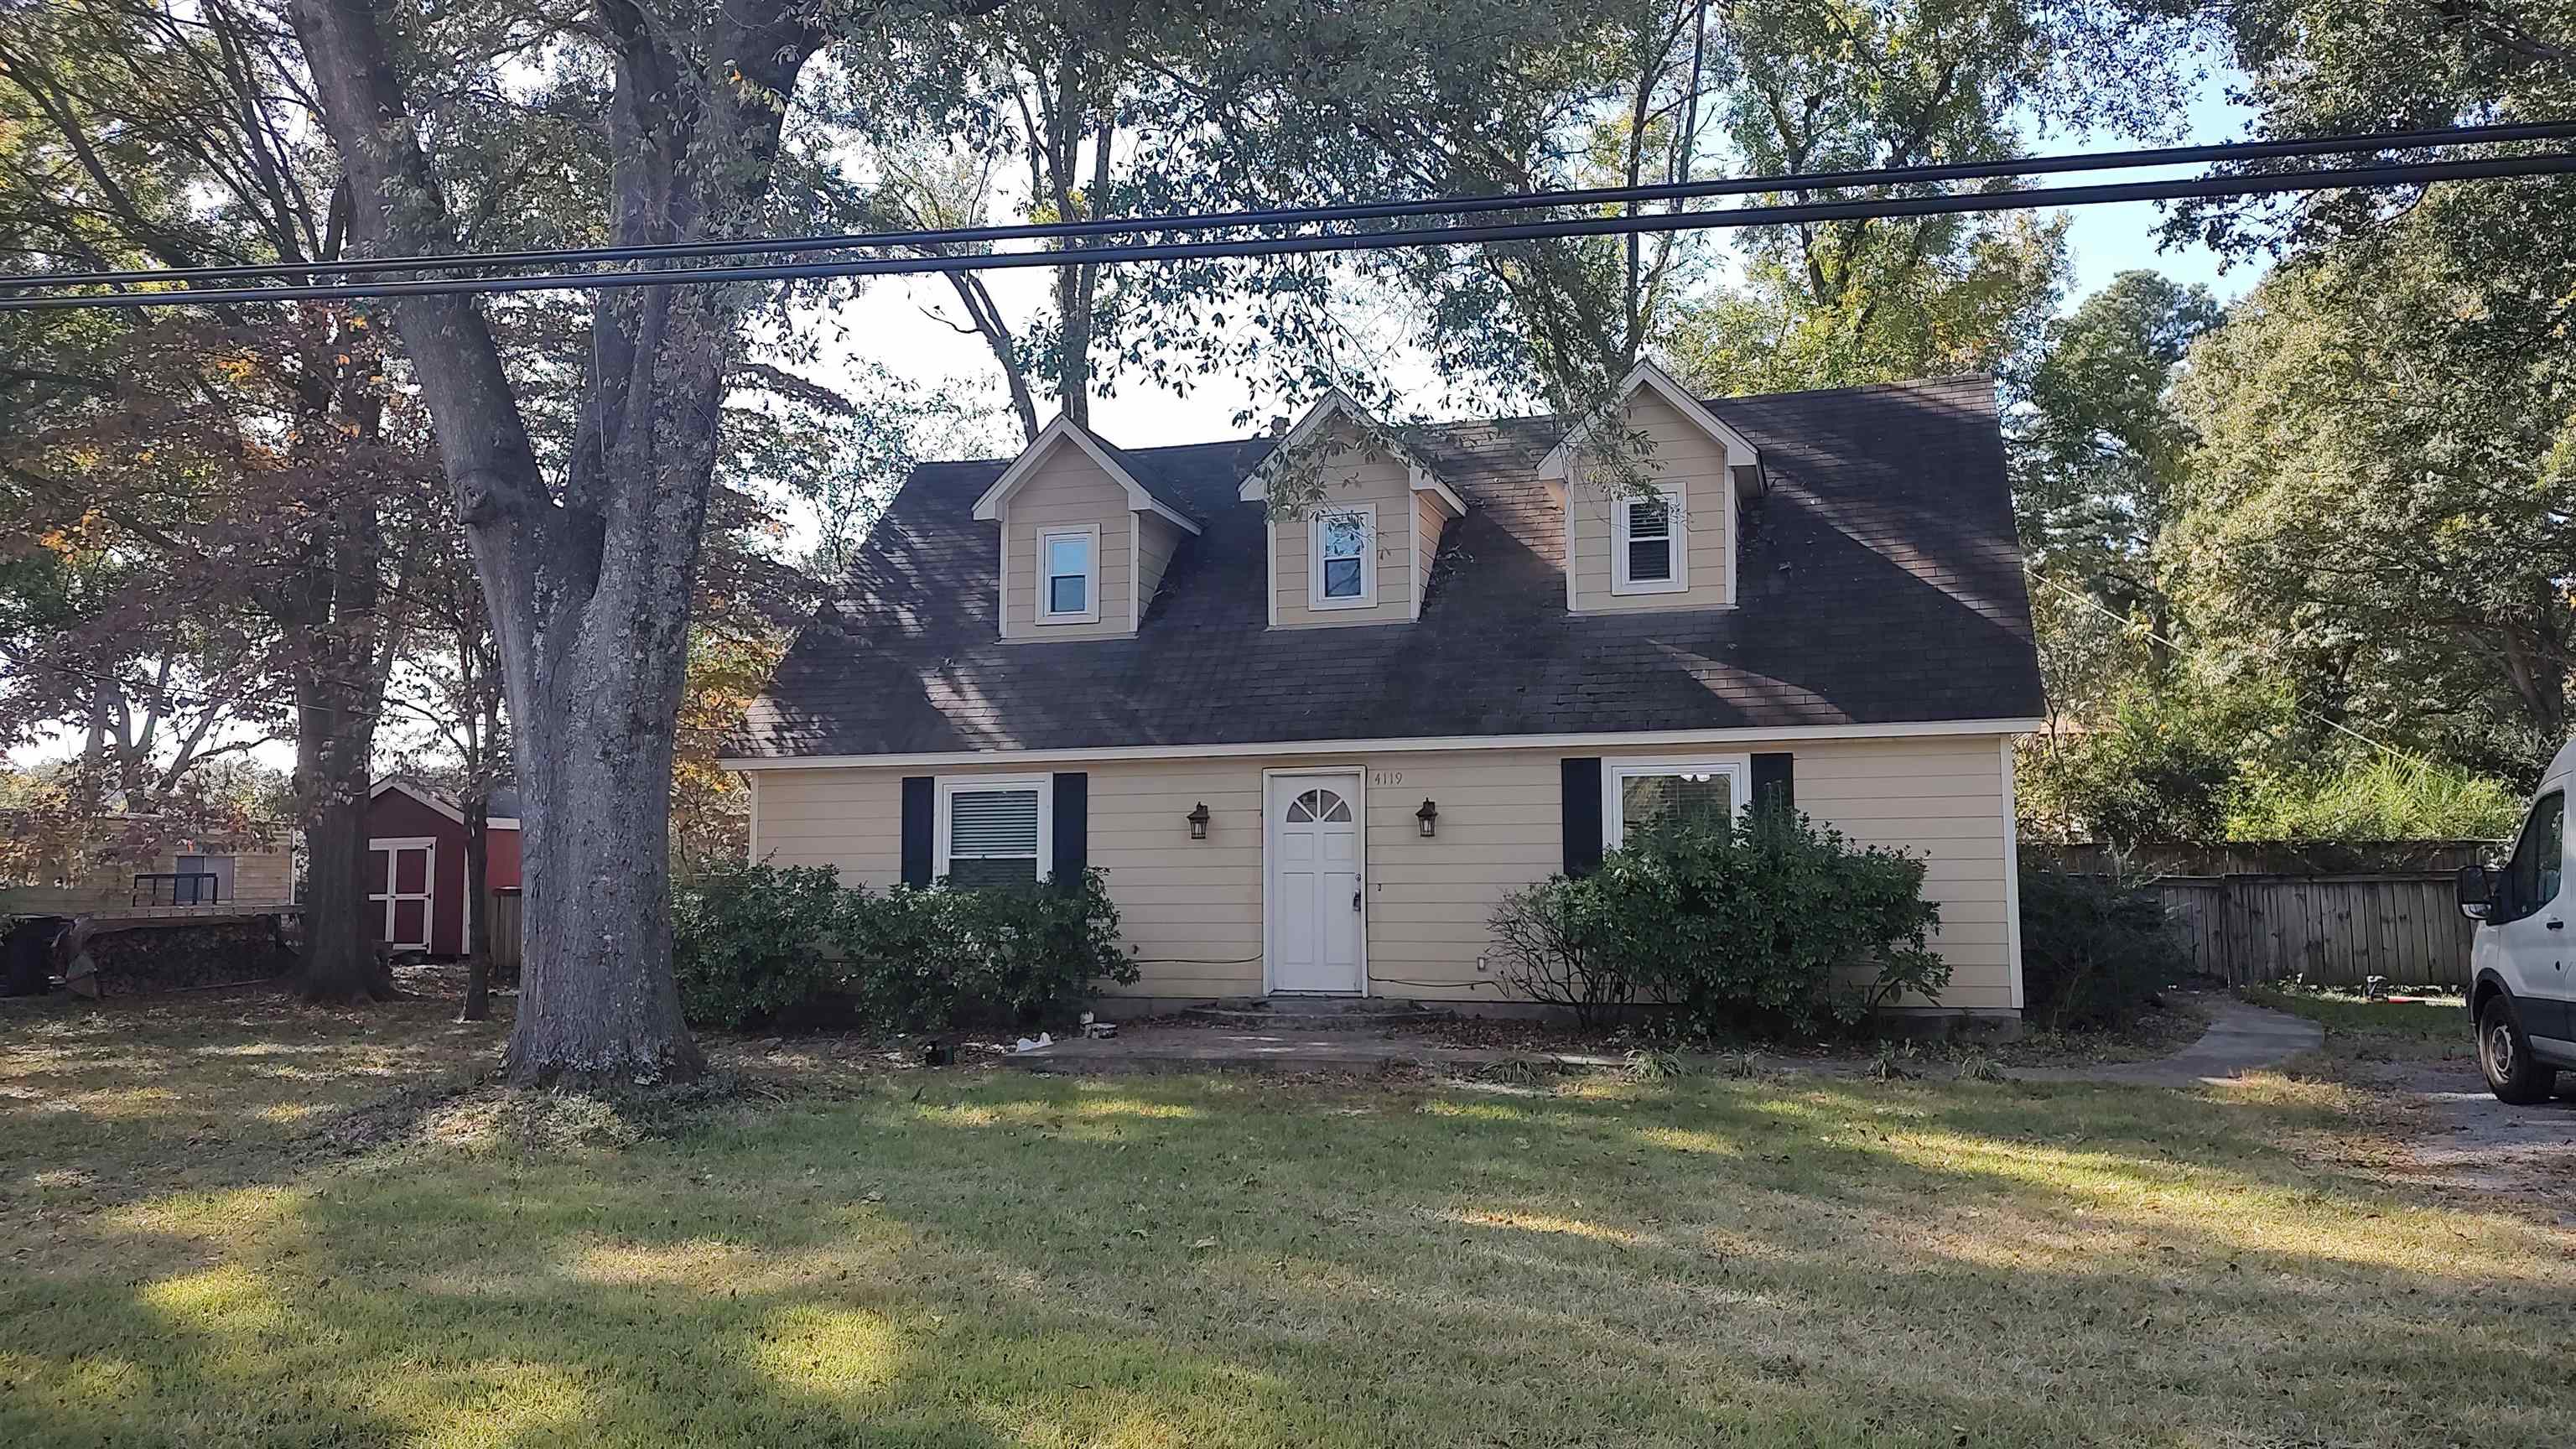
[[993, 837]]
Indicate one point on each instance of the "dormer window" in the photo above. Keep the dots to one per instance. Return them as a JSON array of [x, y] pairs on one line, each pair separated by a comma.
[[1645, 554], [1069, 575], [1345, 567]]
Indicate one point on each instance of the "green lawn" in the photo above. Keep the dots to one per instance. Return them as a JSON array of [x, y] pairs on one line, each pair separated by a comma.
[[2357, 1028], [206, 1252]]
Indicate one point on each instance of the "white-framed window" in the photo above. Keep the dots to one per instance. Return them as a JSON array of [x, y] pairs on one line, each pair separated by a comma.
[[994, 830], [1343, 547], [1649, 547], [1638, 796], [1069, 575]]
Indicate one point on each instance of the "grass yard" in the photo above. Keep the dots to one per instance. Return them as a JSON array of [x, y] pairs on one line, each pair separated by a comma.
[[2434, 1028], [207, 1249]]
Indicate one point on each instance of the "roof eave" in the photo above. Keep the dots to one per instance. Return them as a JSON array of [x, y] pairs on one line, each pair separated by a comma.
[[988, 508]]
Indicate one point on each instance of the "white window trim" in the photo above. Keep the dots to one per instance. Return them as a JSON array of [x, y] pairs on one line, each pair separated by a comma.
[[1315, 598], [1614, 827], [949, 785], [1677, 523], [1089, 533]]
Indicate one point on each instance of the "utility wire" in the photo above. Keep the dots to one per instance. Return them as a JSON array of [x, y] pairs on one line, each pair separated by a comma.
[[2355, 177], [2222, 153]]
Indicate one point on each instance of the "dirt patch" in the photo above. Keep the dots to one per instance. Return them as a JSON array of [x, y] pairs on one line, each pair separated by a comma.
[[2467, 1141]]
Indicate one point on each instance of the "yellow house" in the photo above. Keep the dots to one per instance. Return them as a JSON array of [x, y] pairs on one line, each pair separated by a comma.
[[1310, 751]]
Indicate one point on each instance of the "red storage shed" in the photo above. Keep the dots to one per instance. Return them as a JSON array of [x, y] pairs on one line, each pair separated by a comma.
[[416, 863]]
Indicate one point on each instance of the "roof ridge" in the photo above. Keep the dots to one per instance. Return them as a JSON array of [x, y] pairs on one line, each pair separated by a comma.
[[1244, 440]]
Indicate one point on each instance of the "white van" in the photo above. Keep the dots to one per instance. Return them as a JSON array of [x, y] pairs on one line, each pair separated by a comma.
[[2522, 970]]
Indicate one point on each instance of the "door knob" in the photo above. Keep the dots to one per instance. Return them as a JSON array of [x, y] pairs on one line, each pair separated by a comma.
[[1355, 900]]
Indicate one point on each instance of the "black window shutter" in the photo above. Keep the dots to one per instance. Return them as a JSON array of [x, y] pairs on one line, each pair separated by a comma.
[[920, 794], [1072, 828], [1582, 814], [1775, 781]]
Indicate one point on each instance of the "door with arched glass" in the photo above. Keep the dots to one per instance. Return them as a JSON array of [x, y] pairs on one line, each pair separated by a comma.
[[1317, 939]]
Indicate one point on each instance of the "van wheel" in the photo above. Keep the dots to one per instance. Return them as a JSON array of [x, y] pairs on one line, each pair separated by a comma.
[[2515, 1076]]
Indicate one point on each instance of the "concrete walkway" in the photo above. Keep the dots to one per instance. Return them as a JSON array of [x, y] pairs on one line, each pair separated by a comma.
[[2241, 1038]]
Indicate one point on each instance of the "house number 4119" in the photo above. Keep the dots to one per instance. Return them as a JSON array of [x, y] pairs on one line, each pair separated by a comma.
[[1386, 777]]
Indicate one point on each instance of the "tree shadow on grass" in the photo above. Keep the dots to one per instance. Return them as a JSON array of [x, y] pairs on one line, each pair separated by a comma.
[[1213, 1262]]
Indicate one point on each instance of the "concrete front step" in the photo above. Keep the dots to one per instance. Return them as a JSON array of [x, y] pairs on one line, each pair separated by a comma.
[[1313, 1013]]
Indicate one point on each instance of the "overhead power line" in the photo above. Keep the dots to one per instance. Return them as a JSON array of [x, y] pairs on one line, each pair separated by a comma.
[[2226, 153], [2312, 179]]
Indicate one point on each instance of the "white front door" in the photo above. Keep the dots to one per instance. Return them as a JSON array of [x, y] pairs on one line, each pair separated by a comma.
[[402, 879], [1316, 941]]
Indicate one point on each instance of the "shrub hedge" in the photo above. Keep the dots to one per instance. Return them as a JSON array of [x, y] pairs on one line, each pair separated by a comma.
[[2095, 950], [764, 945], [1772, 926]]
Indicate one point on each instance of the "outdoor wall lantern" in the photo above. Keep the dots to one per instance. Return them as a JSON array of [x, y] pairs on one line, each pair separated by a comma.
[[1198, 818], [1429, 815]]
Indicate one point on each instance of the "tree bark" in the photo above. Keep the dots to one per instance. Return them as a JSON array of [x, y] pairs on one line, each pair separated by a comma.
[[589, 589], [478, 911]]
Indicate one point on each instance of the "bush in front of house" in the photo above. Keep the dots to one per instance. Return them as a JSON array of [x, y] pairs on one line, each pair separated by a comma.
[[1548, 947], [920, 960], [2095, 950], [764, 945], [1772, 926], [754, 945]]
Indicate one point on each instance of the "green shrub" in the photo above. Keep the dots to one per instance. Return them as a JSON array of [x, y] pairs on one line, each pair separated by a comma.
[[763, 945], [753, 945], [1543, 951], [1775, 925], [2095, 949], [1008, 956]]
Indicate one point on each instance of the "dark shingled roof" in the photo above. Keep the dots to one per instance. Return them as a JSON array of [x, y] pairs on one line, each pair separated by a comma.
[[1881, 583]]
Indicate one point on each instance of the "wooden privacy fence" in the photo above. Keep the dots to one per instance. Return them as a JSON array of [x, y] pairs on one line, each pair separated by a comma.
[[2327, 930], [2331, 915], [505, 928]]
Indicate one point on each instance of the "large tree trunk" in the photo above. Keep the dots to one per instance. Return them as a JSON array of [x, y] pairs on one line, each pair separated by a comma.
[[340, 962], [330, 616], [588, 586], [597, 879], [478, 909]]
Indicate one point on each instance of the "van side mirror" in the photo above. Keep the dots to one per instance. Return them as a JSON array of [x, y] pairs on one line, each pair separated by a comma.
[[2477, 892]]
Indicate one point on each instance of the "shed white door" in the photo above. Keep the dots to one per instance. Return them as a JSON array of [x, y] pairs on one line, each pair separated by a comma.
[[402, 874], [1314, 896]]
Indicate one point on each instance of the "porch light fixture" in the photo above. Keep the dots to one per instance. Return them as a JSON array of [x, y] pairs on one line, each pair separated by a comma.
[[1198, 819], [1429, 815]]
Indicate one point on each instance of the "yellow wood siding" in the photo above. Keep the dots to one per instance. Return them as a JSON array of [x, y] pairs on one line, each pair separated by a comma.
[[1354, 473], [1684, 455], [1193, 908], [1068, 491], [1430, 516], [1157, 539]]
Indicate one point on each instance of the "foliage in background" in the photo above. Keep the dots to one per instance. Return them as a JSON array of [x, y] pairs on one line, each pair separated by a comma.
[[2098, 456], [1772, 926], [2156, 766], [2374, 797], [766, 945], [2095, 949], [2383, 503]]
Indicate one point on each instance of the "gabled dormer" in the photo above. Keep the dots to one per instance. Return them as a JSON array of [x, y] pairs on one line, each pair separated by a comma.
[[1084, 537], [1651, 511], [1362, 554]]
